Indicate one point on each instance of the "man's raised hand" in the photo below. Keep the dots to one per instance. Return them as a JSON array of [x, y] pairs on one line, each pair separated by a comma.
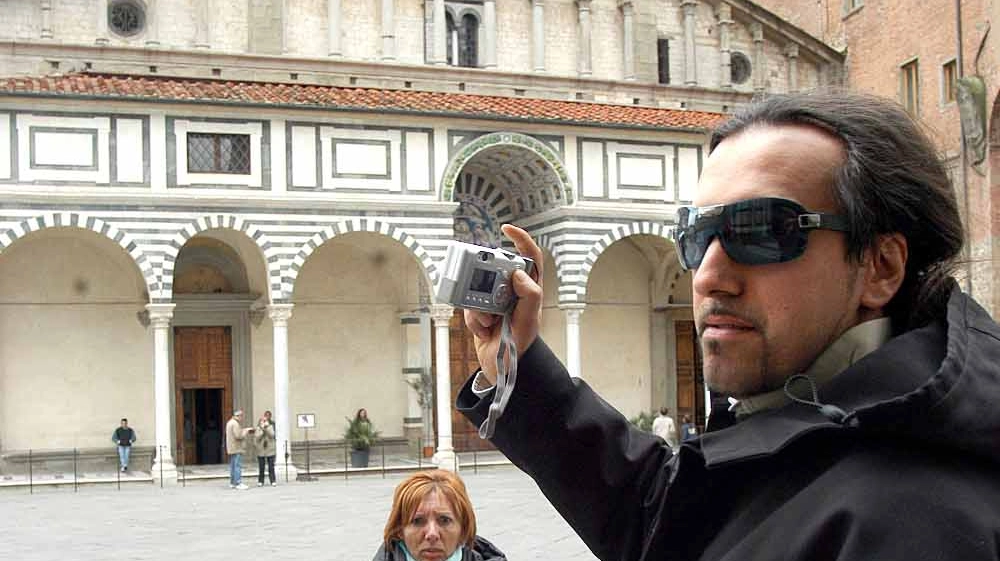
[[527, 313]]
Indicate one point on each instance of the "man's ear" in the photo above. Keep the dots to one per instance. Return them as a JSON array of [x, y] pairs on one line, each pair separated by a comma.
[[884, 268]]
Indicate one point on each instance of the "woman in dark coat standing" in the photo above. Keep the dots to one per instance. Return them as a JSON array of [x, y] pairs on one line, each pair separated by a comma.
[[432, 520]]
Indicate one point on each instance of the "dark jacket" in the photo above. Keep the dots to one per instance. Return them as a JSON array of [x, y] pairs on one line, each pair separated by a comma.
[[482, 550], [124, 436], [912, 473]]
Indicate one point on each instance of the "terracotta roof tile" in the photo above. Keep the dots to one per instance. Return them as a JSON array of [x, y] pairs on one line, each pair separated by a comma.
[[362, 99]]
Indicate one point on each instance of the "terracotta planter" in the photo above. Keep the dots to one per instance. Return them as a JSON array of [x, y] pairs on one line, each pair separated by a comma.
[[428, 451]]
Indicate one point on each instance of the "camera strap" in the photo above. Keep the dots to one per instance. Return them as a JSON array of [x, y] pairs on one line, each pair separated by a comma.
[[506, 377]]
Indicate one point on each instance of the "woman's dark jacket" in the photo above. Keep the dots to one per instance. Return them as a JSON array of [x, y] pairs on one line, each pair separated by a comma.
[[482, 550], [912, 473]]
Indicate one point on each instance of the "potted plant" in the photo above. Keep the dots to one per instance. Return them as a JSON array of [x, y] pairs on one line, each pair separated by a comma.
[[643, 421], [360, 435]]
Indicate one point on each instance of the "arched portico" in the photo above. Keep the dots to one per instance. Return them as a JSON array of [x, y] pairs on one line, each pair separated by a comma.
[[638, 301], [497, 178], [74, 359], [361, 332]]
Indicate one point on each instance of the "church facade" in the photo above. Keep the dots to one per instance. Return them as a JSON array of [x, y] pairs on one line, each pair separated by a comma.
[[223, 204]]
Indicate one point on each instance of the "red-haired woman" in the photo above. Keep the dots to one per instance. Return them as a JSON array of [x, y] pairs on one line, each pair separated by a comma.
[[432, 520]]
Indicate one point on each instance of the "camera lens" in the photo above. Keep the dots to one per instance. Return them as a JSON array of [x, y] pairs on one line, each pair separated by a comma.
[[484, 256]]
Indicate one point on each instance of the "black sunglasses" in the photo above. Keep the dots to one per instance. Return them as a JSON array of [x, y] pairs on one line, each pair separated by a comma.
[[752, 232]]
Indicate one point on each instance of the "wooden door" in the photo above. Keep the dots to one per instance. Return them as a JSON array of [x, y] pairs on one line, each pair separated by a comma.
[[203, 359], [463, 362], [690, 383]]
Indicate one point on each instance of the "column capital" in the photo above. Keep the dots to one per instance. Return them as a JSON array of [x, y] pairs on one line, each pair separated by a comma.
[[583, 4], [573, 312], [792, 50], [689, 6], [442, 313], [280, 313], [725, 14], [626, 6], [160, 314], [757, 31], [538, 2]]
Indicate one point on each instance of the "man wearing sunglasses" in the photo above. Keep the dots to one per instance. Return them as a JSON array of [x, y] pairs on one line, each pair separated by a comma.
[[866, 385]]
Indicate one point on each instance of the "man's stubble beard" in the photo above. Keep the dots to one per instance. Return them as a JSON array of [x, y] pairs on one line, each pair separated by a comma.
[[746, 380]]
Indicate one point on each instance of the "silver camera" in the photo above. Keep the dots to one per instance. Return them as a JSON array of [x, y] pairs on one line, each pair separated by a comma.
[[478, 277]]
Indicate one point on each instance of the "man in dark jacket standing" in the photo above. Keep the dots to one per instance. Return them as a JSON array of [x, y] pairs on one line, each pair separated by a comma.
[[124, 438], [822, 240]]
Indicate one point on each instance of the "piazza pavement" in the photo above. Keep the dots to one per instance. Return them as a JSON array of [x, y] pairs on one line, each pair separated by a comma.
[[329, 519]]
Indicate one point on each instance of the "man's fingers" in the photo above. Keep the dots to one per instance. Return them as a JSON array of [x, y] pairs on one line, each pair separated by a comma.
[[481, 324], [526, 247]]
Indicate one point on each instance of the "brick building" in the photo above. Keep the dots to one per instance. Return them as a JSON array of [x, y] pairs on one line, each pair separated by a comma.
[[207, 204], [909, 51]]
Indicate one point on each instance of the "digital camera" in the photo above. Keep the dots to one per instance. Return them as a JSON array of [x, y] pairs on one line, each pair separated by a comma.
[[478, 277]]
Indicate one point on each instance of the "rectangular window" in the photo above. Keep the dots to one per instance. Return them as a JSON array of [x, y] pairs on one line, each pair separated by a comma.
[[949, 81], [218, 153], [663, 60], [910, 87]]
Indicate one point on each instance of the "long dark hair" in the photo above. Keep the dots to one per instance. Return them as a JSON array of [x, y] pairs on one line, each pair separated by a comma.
[[891, 181]]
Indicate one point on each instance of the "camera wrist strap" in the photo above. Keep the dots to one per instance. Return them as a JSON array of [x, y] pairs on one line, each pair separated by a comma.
[[506, 377]]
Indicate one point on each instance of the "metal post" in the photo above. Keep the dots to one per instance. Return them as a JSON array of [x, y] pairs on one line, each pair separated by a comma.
[[31, 479], [286, 461], [346, 464], [118, 472], [74, 471], [160, 451], [963, 149], [420, 452], [308, 460], [383, 461], [180, 456], [475, 460]]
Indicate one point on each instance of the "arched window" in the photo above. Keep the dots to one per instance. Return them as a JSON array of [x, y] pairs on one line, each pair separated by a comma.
[[469, 53], [463, 40]]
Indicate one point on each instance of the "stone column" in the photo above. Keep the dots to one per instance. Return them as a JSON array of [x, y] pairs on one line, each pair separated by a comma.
[[153, 23], [445, 456], [628, 34], [159, 317], [440, 34], [792, 53], [102, 22], [573, 313], [759, 59], [388, 30], [490, 21], [283, 24], [725, 46], [280, 314], [46, 9], [203, 27], [334, 47], [585, 30], [690, 8], [538, 34]]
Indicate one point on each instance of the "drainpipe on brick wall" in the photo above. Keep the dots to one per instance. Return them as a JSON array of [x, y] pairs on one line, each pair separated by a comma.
[[962, 156]]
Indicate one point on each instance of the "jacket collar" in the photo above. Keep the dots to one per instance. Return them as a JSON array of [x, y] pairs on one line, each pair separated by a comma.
[[856, 343], [874, 388]]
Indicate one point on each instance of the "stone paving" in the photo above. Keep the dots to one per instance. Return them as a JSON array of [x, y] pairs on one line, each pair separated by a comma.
[[326, 519]]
